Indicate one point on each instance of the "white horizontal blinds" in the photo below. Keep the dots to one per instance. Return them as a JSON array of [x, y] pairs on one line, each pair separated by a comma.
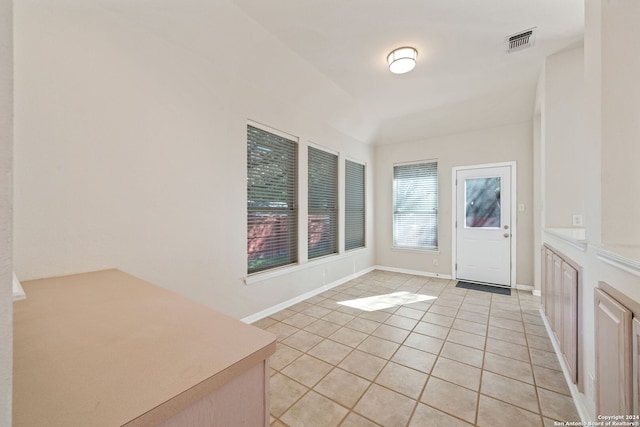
[[271, 200], [415, 205], [323, 203], [354, 205]]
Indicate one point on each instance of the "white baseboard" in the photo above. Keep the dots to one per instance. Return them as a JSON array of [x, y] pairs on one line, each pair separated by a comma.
[[288, 303], [413, 272], [537, 292], [578, 398], [524, 288], [285, 304]]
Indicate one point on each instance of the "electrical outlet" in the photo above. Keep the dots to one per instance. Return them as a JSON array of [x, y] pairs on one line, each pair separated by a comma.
[[578, 221], [521, 207], [435, 262]]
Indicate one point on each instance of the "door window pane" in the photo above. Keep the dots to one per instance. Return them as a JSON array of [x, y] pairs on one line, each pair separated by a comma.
[[482, 202]]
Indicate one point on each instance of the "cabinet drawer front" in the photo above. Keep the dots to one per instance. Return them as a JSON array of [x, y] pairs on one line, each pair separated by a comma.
[[569, 343], [613, 356]]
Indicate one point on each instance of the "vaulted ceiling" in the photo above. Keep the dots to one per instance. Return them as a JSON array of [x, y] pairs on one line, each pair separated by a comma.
[[463, 80]]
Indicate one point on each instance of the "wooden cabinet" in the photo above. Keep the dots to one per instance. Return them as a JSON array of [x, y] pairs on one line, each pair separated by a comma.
[[108, 349], [557, 298], [636, 365], [548, 296], [560, 299], [613, 340], [569, 320]]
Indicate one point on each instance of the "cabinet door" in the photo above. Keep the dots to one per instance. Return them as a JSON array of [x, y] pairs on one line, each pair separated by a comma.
[[550, 306], [569, 343], [557, 298], [614, 385], [543, 279], [636, 366]]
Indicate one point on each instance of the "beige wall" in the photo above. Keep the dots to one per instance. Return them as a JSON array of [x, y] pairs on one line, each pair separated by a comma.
[[538, 178], [564, 144], [536, 210], [501, 144], [131, 146], [620, 123], [593, 118], [6, 202]]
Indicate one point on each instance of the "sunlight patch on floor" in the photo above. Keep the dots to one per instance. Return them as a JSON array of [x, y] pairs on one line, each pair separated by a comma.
[[380, 302]]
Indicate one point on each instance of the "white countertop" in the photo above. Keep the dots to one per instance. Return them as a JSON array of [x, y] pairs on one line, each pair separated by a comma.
[[575, 236], [625, 257]]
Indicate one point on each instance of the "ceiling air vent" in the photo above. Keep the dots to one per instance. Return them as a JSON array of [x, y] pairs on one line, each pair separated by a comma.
[[521, 40]]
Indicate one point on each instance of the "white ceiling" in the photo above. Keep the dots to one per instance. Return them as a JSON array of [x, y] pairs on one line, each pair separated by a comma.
[[463, 80]]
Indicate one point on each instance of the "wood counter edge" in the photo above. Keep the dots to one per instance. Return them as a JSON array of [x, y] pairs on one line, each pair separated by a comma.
[[188, 397]]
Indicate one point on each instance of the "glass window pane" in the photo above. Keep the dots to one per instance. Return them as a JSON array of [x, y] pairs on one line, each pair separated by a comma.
[[272, 215], [323, 203], [354, 227], [415, 205], [482, 202]]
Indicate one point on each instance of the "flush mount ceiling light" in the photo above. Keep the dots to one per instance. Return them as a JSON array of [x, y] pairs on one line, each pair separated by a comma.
[[402, 60]]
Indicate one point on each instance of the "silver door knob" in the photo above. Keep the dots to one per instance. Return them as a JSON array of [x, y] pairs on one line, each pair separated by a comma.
[[506, 227], [506, 234]]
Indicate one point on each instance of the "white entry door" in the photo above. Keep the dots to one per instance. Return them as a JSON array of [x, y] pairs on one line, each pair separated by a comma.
[[483, 225]]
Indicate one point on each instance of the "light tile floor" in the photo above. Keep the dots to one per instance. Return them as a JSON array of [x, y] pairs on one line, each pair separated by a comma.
[[465, 358]]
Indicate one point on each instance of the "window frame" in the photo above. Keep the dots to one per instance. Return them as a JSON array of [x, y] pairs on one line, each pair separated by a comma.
[[290, 212], [431, 174], [362, 243], [314, 200]]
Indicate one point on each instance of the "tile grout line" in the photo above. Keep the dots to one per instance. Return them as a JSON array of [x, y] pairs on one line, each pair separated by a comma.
[[535, 385], [429, 376], [424, 387], [387, 360], [333, 368], [412, 330], [372, 382], [484, 352]]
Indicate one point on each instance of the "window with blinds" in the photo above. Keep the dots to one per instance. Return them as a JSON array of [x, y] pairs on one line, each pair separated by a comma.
[[323, 203], [354, 205], [415, 205], [272, 213]]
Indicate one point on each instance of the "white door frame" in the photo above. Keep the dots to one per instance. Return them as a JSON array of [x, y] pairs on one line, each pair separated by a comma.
[[514, 225]]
